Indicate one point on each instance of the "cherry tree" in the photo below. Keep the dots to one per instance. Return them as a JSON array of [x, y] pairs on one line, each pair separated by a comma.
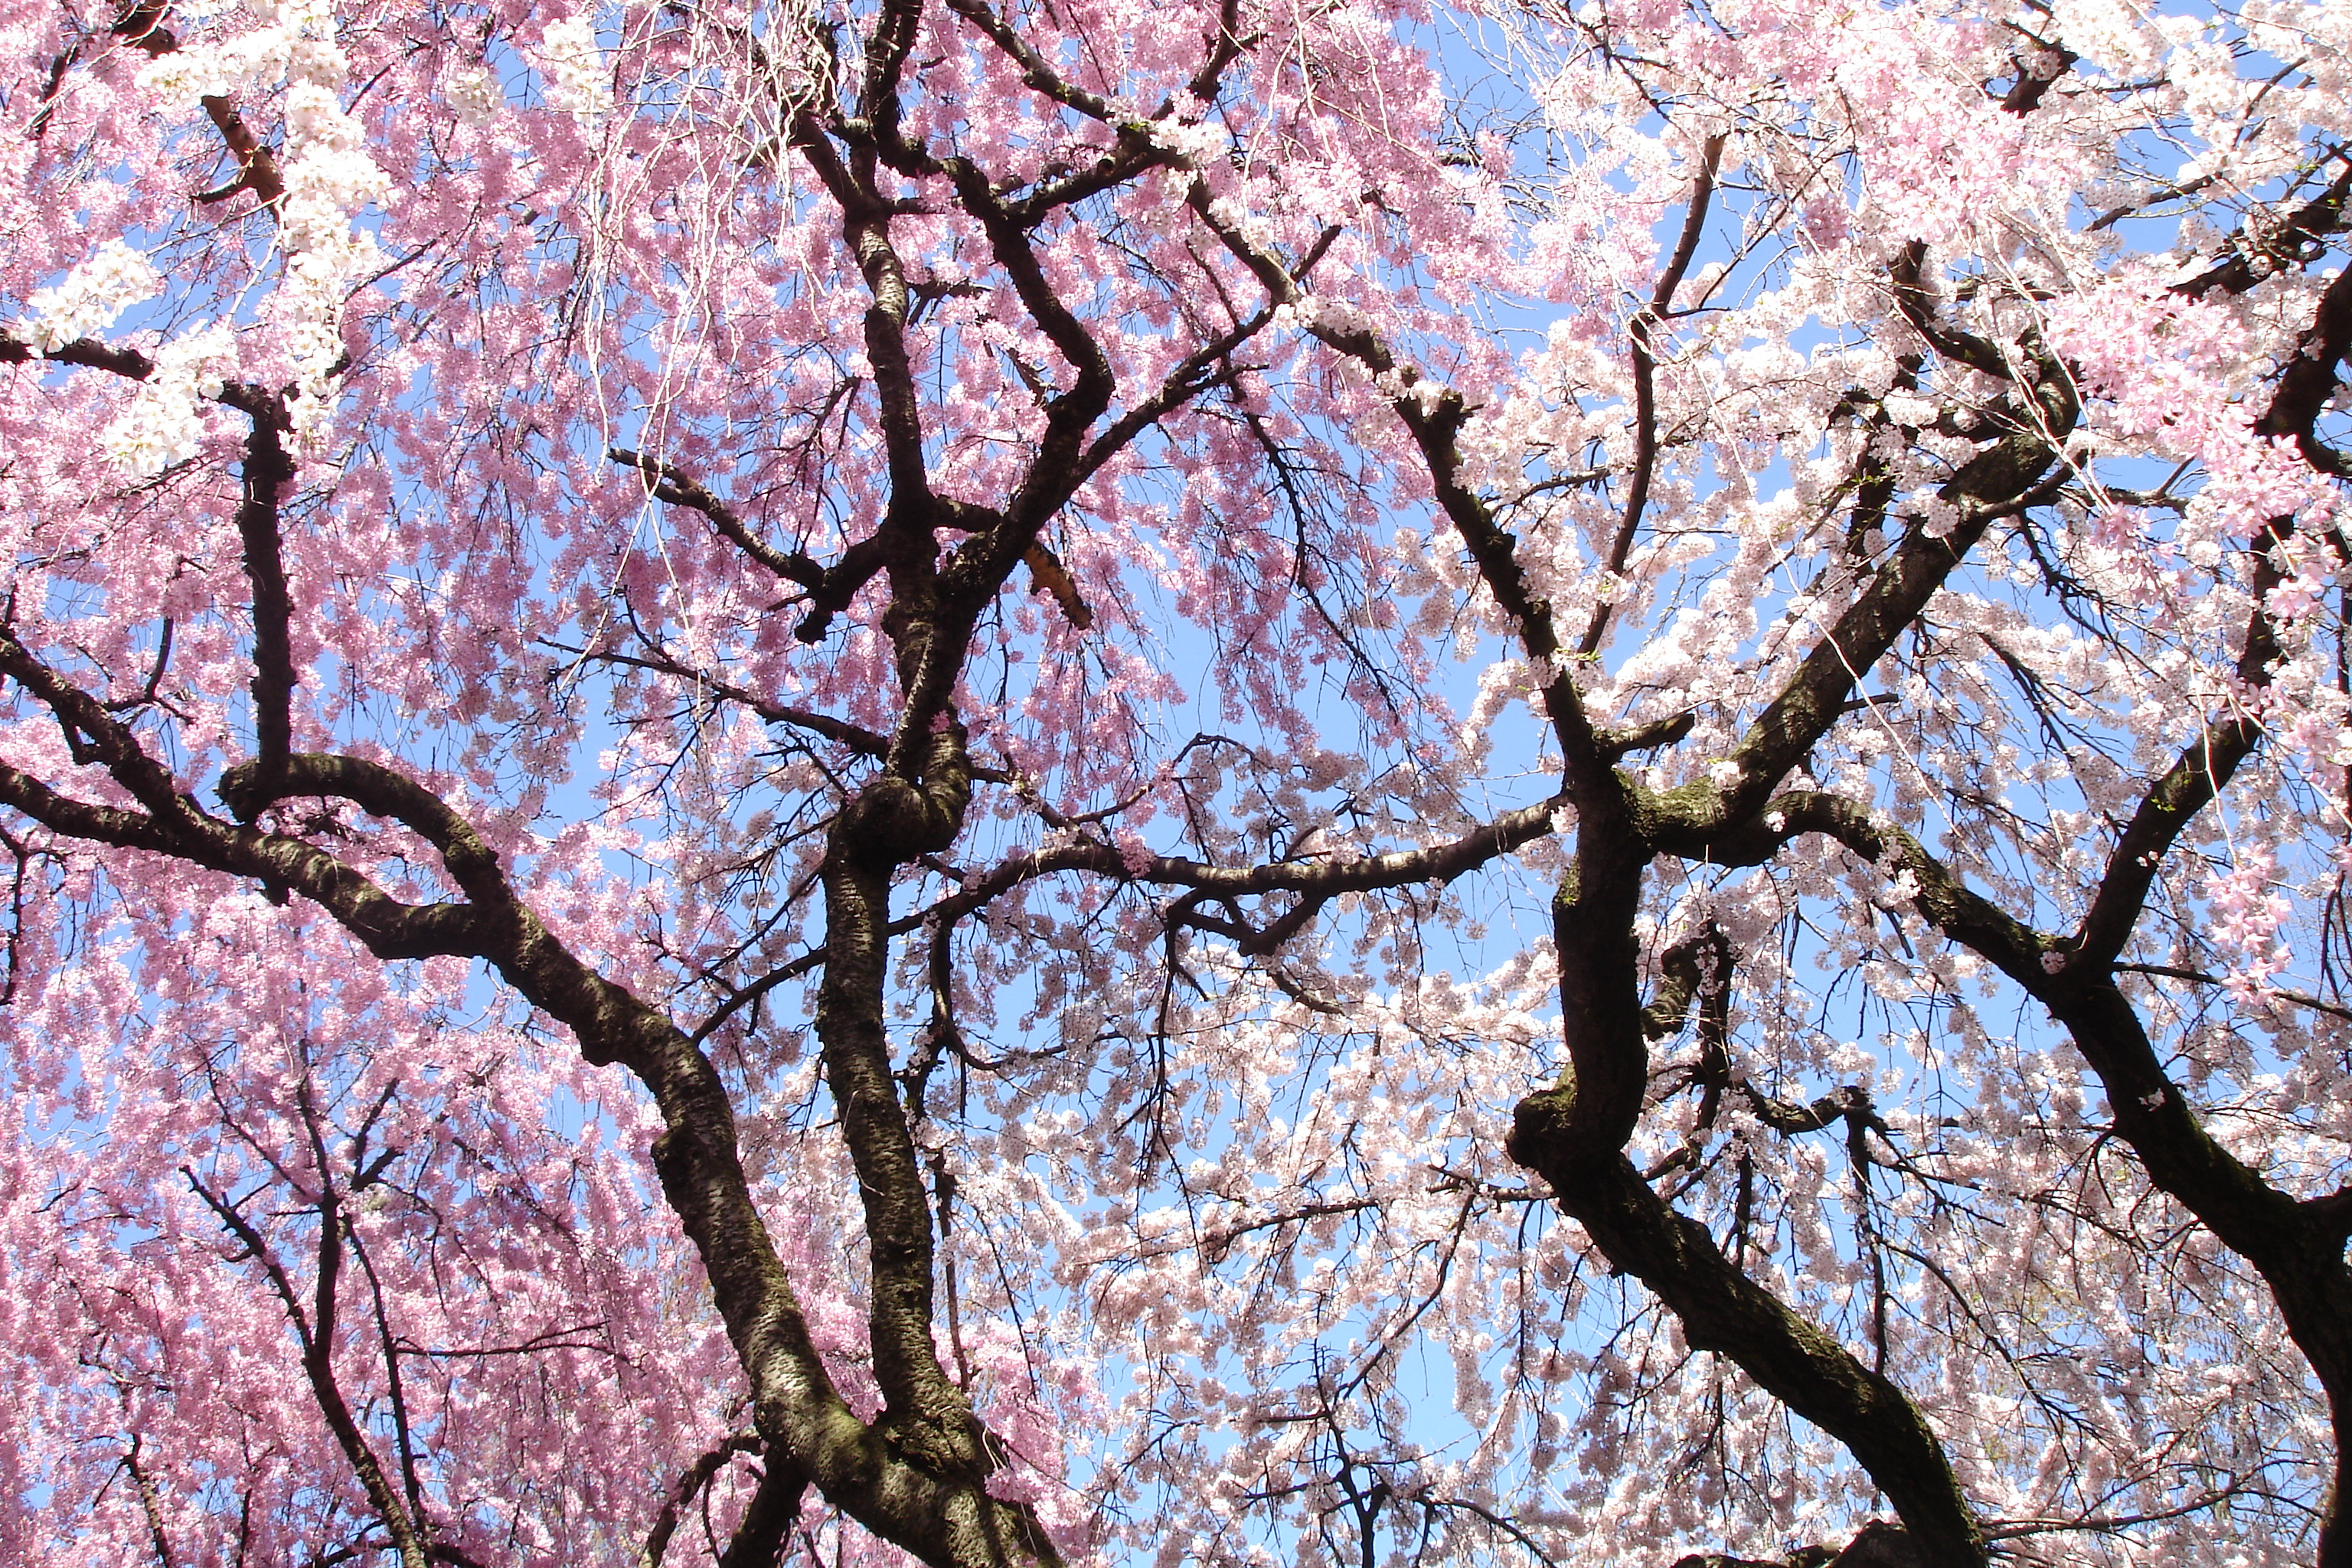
[[1030, 783]]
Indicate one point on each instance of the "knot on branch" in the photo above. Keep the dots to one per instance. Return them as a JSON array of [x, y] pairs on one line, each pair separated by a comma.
[[252, 787], [894, 820], [950, 1445], [1544, 1136]]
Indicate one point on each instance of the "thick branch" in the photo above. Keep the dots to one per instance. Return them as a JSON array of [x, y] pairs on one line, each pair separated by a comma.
[[768, 1518], [1815, 697], [2036, 75], [925, 1415], [142, 26], [267, 469], [128, 363], [865, 228], [2268, 249], [1721, 1309], [2295, 1246], [690, 1487], [2310, 380], [2164, 813], [1316, 881], [1947, 902], [901, 1490]]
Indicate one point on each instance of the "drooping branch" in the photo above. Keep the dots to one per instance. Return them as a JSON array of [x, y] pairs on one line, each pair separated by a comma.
[[829, 589], [689, 1486], [1434, 414], [1316, 882], [901, 1485], [1135, 151], [315, 1331], [1643, 352], [841, 732], [676, 486], [2295, 1245], [1723, 1310]]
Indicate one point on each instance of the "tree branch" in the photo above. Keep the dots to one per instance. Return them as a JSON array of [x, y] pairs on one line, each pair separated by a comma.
[[267, 470], [689, 1486], [1645, 376]]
